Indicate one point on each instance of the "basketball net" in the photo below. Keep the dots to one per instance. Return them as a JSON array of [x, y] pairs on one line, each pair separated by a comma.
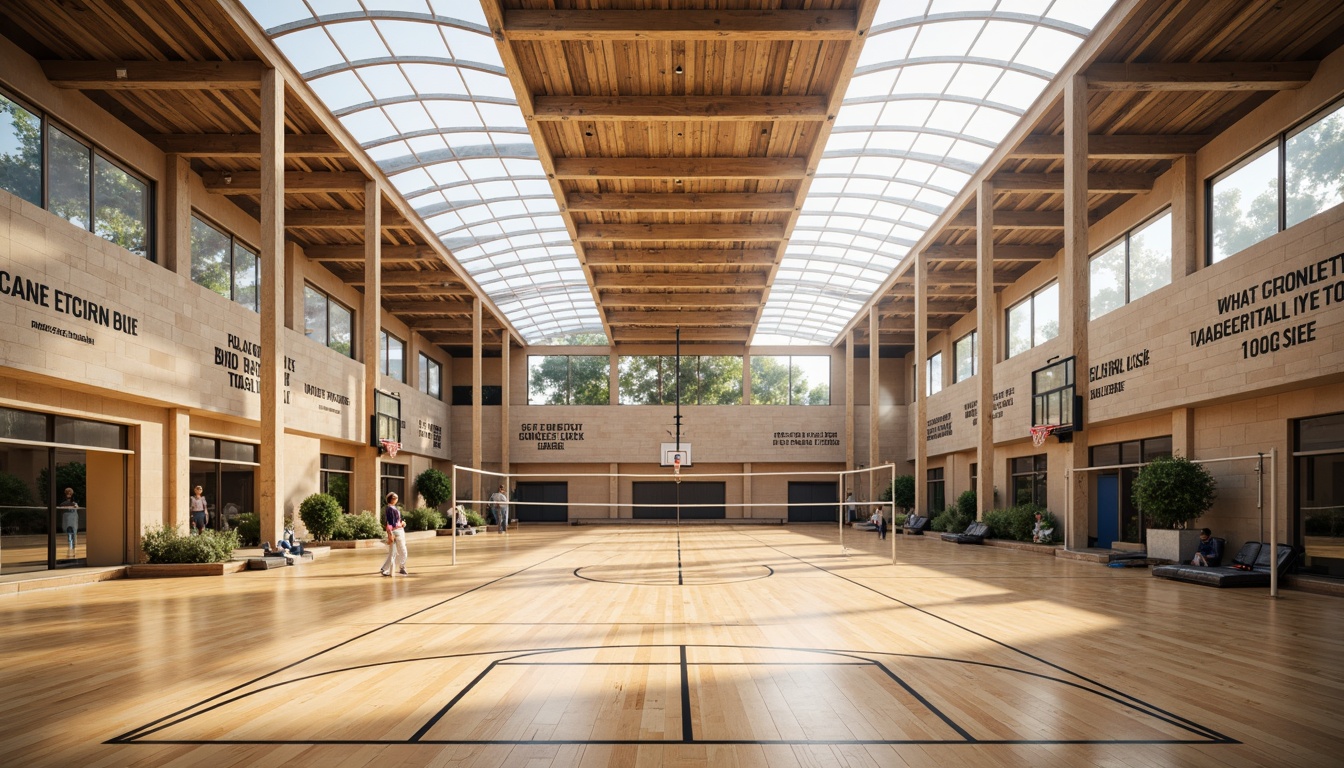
[[676, 467], [1039, 433], [391, 447]]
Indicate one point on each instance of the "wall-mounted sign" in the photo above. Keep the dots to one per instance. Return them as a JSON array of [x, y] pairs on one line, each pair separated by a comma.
[[806, 439], [432, 432], [938, 427], [1281, 298], [19, 288], [551, 437]]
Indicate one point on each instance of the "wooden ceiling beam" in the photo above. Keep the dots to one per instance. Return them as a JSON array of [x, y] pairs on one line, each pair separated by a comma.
[[681, 232], [665, 280], [686, 318], [679, 25], [669, 334], [678, 257], [391, 253], [694, 201], [680, 168], [338, 219], [969, 252], [434, 307], [155, 75], [217, 145], [1011, 220], [1201, 76], [1135, 183], [1156, 147], [679, 108], [444, 283], [959, 278], [296, 182], [679, 300]]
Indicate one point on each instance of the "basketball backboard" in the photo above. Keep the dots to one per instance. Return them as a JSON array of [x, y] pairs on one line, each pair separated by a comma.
[[669, 453], [1054, 400]]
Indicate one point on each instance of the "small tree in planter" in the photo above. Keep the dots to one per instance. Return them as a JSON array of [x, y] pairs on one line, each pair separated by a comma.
[[320, 514], [1171, 492], [435, 487], [901, 493]]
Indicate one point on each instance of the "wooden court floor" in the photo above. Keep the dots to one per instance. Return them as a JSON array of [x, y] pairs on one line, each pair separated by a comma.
[[653, 646]]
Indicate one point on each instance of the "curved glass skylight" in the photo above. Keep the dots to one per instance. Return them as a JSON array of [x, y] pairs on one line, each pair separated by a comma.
[[933, 94], [419, 83]]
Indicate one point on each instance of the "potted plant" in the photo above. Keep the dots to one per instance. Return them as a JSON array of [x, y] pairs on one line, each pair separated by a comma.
[[1171, 492]]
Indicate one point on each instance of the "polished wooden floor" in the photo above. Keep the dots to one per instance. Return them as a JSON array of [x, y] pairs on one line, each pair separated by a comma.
[[704, 646]]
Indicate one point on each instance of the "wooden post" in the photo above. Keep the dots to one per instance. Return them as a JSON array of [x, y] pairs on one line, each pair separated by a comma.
[[176, 256], [477, 451], [874, 400], [921, 385], [1184, 219], [369, 478], [272, 244], [505, 431], [986, 318], [1073, 299], [849, 410]]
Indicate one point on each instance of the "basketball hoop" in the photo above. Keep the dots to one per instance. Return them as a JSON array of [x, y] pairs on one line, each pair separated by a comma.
[[1039, 433], [390, 447], [676, 467]]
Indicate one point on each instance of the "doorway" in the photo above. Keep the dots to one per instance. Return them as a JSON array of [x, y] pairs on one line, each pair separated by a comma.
[[1108, 509], [542, 503], [822, 502], [659, 500], [1318, 493]]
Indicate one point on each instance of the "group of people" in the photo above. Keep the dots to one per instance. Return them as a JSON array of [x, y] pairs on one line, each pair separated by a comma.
[[396, 528], [877, 520]]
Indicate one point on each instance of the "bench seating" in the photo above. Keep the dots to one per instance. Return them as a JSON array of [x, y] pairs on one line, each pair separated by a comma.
[[1253, 553], [975, 533], [915, 525]]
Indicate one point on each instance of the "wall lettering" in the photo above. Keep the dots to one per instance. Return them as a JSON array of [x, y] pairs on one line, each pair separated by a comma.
[[1114, 367], [812, 439], [430, 431], [38, 294], [938, 427], [550, 437], [1002, 399], [1278, 299]]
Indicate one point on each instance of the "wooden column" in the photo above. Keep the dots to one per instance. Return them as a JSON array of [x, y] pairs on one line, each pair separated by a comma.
[[176, 255], [986, 322], [477, 451], [1184, 219], [177, 467], [1073, 298], [747, 509], [505, 431], [368, 477], [849, 410], [613, 378], [614, 491], [874, 401], [921, 387], [272, 243], [746, 376]]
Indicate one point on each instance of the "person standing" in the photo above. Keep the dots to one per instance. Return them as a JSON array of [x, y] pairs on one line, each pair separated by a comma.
[[500, 502], [880, 523], [70, 517], [851, 508], [396, 538], [200, 510]]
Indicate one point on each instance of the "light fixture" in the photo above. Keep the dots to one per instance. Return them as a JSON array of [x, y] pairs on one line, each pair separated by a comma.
[[678, 70], [228, 178]]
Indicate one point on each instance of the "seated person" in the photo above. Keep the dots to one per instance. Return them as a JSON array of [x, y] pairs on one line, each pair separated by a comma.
[[1210, 551], [1039, 532], [460, 520]]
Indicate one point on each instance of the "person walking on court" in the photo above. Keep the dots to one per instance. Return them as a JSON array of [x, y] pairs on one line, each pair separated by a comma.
[[500, 502], [851, 508], [396, 538], [880, 523]]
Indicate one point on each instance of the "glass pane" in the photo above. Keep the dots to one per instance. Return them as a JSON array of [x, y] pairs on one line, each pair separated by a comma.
[[91, 433], [936, 374], [1107, 280], [23, 425], [1150, 257], [343, 463], [964, 353], [1314, 167], [435, 379], [246, 278], [770, 380], [20, 152], [121, 212], [314, 315], [1321, 509], [422, 363], [637, 379], [720, 380], [202, 448], [68, 177], [547, 379], [382, 352], [1322, 433], [1104, 455], [24, 518], [1245, 204], [590, 379], [811, 380], [667, 380], [1019, 328], [1045, 320], [209, 257], [341, 322], [1156, 447], [337, 485], [396, 358], [231, 451]]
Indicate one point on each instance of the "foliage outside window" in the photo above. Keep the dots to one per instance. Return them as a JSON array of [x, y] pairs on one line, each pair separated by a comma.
[[1034, 320], [1027, 475], [1138, 264], [335, 478], [391, 356], [937, 491], [82, 186], [431, 376], [224, 265], [705, 380], [791, 380], [934, 378], [963, 357], [327, 321], [1296, 177], [568, 380]]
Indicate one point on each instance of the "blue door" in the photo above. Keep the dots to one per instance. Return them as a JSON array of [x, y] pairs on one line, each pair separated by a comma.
[[1108, 510]]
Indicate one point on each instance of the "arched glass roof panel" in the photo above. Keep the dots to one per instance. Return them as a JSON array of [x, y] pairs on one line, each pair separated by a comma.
[[939, 83], [419, 83]]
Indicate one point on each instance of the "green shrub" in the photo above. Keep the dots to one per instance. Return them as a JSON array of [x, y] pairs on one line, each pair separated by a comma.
[[952, 520], [1172, 491], [901, 491], [1017, 522], [364, 525], [424, 519], [435, 487], [966, 504], [320, 513], [474, 518], [248, 526], [166, 545]]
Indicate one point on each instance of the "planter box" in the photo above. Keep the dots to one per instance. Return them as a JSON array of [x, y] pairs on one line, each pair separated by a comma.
[[370, 543], [1173, 546], [172, 570]]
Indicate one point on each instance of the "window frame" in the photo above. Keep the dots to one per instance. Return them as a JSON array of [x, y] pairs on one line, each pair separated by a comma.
[[234, 244], [324, 474], [933, 365], [424, 364], [330, 300], [830, 378], [384, 355], [1038, 477], [1008, 313], [1126, 239], [975, 344], [569, 379], [938, 481]]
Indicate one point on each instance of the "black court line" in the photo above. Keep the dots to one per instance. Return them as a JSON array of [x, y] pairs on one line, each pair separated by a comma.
[[687, 731], [160, 724], [858, 655], [578, 574], [679, 580], [1158, 712]]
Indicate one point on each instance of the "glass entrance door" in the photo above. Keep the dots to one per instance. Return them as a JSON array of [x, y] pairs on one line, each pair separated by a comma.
[[25, 518], [1318, 465]]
